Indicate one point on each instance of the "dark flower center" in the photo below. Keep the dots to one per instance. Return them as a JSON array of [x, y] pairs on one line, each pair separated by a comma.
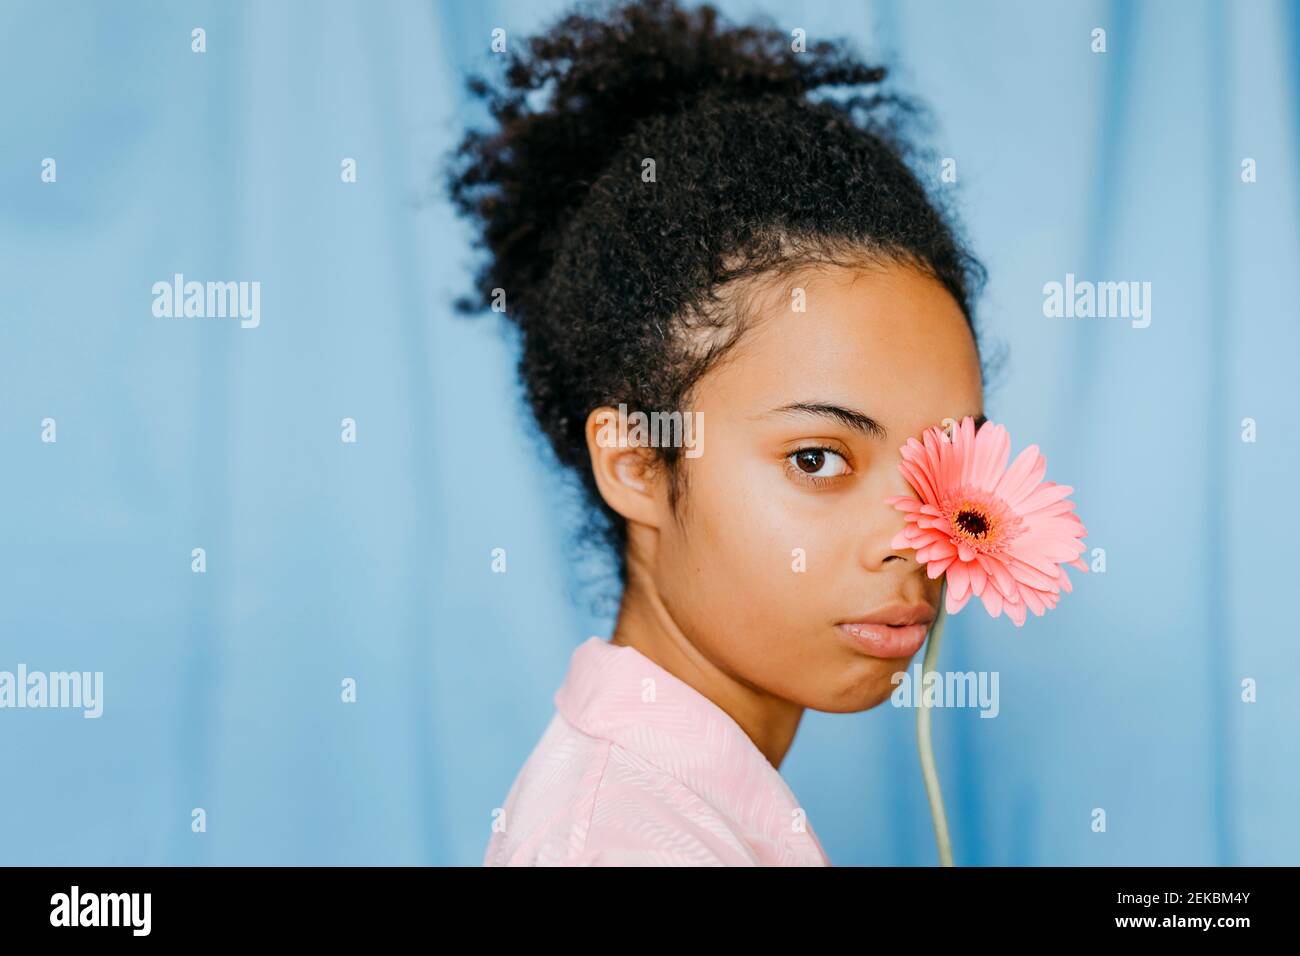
[[972, 523]]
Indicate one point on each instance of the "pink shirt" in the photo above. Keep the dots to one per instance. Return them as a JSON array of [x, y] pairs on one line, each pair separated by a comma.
[[637, 768]]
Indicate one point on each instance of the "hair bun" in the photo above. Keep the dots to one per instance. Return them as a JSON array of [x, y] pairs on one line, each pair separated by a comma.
[[599, 72]]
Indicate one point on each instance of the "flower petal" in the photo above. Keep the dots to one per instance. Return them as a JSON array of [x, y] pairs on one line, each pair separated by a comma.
[[958, 579], [1022, 477], [1017, 613], [904, 502], [952, 605], [1048, 493], [935, 568], [1030, 576], [1002, 578], [992, 601], [992, 446]]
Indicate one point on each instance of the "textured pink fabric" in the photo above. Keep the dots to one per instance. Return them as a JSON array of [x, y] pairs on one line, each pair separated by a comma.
[[637, 768]]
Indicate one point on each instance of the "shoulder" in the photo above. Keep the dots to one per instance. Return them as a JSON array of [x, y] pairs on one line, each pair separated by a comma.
[[642, 816], [584, 801]]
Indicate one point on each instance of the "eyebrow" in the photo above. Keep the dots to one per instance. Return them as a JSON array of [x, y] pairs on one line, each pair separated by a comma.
[[858, 421]]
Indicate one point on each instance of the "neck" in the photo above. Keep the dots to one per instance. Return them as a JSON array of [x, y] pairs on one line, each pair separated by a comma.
[[644, 623]]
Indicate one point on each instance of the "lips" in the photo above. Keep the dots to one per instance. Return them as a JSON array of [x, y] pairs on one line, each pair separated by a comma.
[[895, 631], [885, 640]]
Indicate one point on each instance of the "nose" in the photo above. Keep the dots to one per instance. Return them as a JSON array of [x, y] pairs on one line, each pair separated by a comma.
[[882, 522]]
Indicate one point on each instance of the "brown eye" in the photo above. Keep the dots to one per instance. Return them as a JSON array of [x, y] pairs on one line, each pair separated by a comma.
[[810, 460], [819, 462]]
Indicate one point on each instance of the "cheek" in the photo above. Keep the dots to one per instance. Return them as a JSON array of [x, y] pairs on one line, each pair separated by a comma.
[[746, 546]]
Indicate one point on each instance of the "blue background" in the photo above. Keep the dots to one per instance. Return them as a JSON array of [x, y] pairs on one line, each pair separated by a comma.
[[372, 560]]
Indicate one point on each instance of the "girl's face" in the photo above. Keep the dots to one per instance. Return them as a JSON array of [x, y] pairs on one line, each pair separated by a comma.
[[782, 535]]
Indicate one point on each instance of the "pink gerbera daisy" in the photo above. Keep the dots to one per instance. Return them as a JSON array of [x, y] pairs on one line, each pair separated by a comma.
[[1001, 534]]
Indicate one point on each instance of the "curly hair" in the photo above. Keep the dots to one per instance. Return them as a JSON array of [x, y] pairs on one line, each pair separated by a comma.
[[625, 287]]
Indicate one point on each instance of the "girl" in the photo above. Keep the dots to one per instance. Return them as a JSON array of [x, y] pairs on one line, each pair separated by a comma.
[[684, 223]]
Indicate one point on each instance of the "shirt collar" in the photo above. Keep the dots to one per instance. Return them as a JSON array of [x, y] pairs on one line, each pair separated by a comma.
[[607, 693]]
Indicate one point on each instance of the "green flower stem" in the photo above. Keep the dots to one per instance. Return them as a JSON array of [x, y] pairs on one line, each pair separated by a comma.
[[928, 771]]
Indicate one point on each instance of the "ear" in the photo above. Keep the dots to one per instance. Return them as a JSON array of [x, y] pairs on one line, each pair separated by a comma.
[[629, 478]]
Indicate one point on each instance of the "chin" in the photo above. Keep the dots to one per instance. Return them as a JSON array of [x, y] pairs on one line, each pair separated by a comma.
[[864, 690]]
